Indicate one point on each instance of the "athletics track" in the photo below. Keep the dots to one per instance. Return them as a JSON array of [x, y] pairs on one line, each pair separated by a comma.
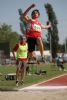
[[56, 83]]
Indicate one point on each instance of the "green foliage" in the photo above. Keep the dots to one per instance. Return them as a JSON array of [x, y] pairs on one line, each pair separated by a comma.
[[53, 31], [7, 35], [4, 32]]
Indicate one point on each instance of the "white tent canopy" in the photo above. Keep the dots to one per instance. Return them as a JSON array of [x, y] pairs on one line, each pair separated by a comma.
[[46, 53]]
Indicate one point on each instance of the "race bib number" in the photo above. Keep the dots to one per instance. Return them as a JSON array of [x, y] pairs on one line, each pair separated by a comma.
[[36, 28]]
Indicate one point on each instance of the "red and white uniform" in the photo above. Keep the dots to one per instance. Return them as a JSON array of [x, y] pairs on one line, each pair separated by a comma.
[[33, 29]]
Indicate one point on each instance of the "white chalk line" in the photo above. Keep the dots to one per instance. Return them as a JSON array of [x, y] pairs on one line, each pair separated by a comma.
[[36, 87]]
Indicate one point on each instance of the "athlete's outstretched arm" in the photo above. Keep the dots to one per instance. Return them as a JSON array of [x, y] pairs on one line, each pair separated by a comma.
[[26, 11], [46, 26]]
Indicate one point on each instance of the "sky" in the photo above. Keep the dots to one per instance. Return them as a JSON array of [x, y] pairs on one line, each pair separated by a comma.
[[9, 14]]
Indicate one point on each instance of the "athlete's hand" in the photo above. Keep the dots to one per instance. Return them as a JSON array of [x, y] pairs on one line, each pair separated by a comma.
[[49, 26], [33, 5]]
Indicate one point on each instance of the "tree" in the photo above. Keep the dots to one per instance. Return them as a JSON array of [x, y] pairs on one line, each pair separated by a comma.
[[61, 48], [5, 30], [13, 39], [7, 35], [53, 31]]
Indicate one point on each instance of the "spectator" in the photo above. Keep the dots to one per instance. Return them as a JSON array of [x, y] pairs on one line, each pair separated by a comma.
[[60, 63]]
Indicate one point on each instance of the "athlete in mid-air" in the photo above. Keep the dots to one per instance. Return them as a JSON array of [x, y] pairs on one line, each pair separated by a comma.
[[34, 31]]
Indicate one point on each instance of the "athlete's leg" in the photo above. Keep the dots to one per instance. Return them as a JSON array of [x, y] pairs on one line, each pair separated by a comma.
[[40, 45], [41, 48]]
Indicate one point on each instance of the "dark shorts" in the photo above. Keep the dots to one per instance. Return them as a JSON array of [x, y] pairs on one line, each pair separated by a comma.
[[32, 42]]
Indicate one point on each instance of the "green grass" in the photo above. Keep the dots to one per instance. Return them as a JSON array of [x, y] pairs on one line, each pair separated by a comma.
[[51, 69]]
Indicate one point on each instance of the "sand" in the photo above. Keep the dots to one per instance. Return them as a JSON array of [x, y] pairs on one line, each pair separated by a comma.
[[34, 95]]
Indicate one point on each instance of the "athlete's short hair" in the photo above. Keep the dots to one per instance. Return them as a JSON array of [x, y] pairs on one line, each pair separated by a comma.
[[35, 11]]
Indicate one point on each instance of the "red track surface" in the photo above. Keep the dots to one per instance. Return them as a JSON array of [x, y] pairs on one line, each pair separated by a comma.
[[58, 81]]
